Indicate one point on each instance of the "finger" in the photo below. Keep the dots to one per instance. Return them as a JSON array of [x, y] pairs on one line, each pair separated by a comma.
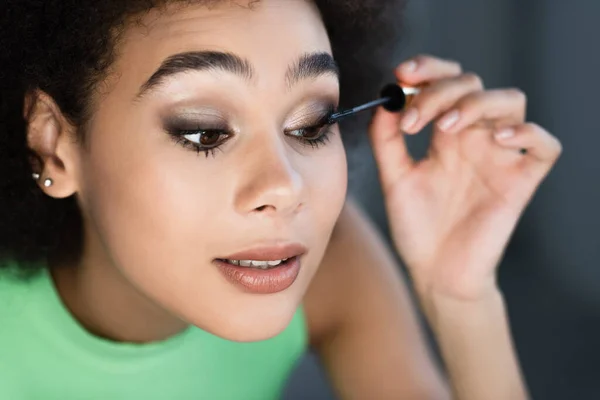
[[437, 98], [506, 105], [424, 68], [541, 147], [389, 147]]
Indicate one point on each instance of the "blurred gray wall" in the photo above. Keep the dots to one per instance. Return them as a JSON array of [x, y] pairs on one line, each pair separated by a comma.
[[551, 272]]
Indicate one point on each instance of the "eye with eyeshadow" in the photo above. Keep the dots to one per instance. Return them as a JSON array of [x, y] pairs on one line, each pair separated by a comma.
[[198, 134], [209, 136], [316, 132]]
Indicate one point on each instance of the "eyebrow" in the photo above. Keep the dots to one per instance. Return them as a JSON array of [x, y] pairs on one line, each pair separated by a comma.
[[309, 65], [198, 61], [312, 65]]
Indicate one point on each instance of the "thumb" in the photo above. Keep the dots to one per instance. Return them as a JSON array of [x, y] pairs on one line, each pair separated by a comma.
[[389, 147]]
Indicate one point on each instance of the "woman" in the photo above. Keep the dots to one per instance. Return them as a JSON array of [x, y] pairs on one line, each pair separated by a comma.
[[187, 231]]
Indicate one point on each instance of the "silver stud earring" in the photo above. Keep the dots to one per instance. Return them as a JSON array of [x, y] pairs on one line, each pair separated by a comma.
[[35, 176], [48, 182]]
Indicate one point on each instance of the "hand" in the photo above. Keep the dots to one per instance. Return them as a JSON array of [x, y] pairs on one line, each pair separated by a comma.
[[451, 214]]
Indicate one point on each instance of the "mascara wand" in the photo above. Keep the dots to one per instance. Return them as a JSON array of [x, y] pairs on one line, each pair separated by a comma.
[[393, 98]]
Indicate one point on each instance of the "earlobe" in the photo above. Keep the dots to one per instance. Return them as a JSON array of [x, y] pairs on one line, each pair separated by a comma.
[[50, 138]]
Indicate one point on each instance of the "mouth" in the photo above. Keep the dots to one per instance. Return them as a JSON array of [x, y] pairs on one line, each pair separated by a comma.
[[257, 264], [263, 270]]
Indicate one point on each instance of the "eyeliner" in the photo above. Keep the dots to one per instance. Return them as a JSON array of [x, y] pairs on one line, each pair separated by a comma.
[[393, 98]]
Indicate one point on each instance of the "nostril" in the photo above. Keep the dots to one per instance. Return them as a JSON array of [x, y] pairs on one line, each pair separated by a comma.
[[261, 208]]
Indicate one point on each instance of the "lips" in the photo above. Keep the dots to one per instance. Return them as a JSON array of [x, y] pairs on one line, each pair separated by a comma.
[[248, 271], [268, 253]]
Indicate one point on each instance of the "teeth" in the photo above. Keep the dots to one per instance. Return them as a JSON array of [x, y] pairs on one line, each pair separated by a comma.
[[256, 264], [260, 264]]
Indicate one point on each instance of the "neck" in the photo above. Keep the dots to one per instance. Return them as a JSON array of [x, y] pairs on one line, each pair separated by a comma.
[[107, 305]]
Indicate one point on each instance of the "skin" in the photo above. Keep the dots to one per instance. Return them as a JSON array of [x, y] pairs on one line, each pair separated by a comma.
[[450, 214], [157, 214]]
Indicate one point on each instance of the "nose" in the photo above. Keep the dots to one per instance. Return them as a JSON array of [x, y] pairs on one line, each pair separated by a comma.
[[271, 183]]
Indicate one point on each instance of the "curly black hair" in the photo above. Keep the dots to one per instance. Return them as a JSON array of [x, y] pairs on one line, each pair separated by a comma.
[[64, 48]]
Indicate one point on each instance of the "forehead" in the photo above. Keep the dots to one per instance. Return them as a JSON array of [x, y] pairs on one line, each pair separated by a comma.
[[269, 34]]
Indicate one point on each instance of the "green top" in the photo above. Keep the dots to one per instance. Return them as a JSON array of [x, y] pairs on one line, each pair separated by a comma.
[[45, 354]]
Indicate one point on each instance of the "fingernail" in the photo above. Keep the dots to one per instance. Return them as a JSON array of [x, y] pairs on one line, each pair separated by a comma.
[[409, 67], [505, 133], [411, 116], [448, 120]]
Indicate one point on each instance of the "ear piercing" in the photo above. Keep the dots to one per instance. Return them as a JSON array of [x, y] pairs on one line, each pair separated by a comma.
[[47, 182]]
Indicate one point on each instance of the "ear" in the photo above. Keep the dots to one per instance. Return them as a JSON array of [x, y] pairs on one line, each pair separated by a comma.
[[53, 142]]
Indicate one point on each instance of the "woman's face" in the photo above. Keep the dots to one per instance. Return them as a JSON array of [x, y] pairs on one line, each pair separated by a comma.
[[202, 146]]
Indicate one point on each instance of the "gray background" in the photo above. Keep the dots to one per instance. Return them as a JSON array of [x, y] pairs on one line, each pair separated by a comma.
[[550, 274]]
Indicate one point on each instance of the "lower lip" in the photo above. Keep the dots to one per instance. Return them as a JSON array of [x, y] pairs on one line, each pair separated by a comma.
[[261, 281]]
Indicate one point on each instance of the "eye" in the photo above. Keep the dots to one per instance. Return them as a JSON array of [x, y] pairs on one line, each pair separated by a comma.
[[314, 128], [313, 136], [206, 139], [310, 133]]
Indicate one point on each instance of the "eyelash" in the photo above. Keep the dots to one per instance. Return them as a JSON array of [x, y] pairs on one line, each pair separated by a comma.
[[179, 138], [325, 131], [323, 126]]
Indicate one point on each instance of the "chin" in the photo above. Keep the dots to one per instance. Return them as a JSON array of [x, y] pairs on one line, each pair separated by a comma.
[[254, 320], [233, 313], [256, 333]]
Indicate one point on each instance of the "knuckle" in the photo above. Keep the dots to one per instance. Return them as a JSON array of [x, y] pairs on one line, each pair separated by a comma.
[[557, 146], [422, 58], [472, 100], [457, 66], [517, 94], [533, 127], [551, 141], [473, 79]]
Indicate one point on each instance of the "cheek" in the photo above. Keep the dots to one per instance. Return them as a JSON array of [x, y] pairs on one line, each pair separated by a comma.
[[157, 212], [153, 209], [328, 183]]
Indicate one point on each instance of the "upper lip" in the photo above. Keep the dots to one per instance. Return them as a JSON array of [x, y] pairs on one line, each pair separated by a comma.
[[269, 253]]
